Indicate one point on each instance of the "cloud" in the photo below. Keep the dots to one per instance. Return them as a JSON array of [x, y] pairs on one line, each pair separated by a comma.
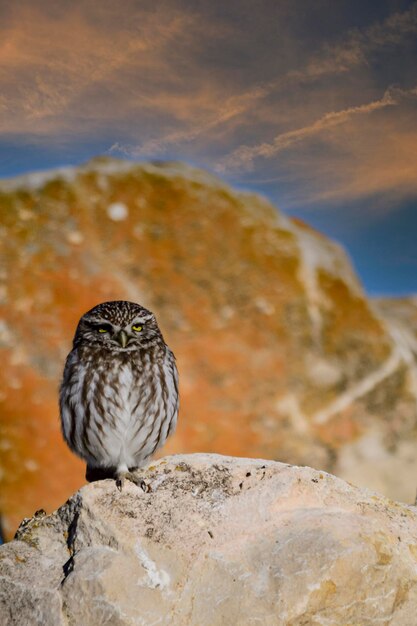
[[58, 70], [371, 153], [334, 59], [85, 65], [374, 159], [242, 90], [358, 44], [244, 156], [234, 106]]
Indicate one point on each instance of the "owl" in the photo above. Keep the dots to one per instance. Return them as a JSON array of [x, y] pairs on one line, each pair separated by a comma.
[[119, 393]]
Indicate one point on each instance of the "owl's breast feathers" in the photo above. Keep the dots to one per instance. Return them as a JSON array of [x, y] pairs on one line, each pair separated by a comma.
[[118, 407]]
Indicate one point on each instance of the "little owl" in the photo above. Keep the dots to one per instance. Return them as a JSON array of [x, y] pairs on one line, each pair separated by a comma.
[[119, 393]]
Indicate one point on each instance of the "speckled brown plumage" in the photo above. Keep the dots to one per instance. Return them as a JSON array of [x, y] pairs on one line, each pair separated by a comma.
[[119, 393]]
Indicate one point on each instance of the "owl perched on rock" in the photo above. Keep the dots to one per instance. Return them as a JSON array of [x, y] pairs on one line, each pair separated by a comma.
[[119, 393]]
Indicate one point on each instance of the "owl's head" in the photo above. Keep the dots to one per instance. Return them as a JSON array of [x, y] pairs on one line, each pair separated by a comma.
[[118, 326]]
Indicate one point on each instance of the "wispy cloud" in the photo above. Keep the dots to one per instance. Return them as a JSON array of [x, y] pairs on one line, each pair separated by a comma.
[[236, 105], [60, 70], [365, 156], [330, 60], [244, 156], [357, 45], [238, 90]]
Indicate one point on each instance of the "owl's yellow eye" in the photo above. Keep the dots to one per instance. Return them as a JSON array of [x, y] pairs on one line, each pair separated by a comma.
[[137, 328], [103, 330]]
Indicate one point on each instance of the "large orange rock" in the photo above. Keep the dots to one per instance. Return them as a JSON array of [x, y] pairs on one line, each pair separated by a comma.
[[280, 353]]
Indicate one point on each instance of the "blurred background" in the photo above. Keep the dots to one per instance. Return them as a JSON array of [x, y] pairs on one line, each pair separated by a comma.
[[246, 170]]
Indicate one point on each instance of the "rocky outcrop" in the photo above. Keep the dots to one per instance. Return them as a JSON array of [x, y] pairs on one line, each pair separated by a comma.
[[215, 540], [281, 354]]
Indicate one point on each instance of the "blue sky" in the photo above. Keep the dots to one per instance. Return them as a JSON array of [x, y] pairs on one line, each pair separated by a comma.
[[312, 103]]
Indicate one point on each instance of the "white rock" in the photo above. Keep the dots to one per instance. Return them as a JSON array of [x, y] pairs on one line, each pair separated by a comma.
[[216, 541], [117, 211]]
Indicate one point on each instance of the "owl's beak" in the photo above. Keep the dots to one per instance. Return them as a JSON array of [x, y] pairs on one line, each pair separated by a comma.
[[122, 338]]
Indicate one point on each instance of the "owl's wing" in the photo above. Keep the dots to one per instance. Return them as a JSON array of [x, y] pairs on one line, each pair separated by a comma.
[[173, 394]]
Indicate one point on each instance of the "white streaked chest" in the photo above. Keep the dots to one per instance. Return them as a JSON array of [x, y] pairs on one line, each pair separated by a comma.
[[121, 393]]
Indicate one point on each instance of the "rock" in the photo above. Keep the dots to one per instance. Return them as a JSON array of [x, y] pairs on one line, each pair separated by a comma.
[[281, 354], [216, 540]]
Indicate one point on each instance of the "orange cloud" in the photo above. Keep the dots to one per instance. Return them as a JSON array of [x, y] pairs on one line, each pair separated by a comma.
[[378, 158], [172, 78], [244, 156], [365, 151], [203, 115], [58, 70]]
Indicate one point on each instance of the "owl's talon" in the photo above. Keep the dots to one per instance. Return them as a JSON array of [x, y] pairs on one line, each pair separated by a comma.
[[146, 488], [136, 480], [139, 482]]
